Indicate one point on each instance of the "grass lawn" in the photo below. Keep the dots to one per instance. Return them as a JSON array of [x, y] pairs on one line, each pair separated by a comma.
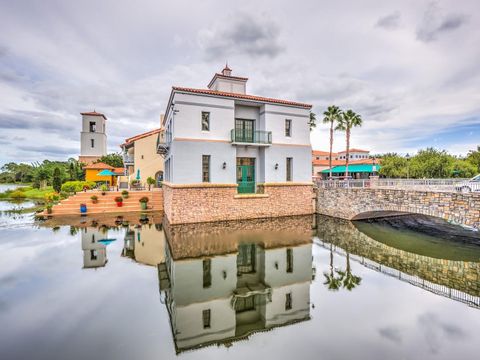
[[28, 193]]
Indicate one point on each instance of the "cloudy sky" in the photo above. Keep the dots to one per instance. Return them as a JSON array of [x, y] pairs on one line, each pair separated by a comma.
[[410, 68]]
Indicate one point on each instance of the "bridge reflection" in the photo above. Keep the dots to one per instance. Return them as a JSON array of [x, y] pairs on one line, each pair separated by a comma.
[[457, 279]]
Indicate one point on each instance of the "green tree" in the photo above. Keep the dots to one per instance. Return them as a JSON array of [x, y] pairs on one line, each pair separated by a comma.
[[348, 120], [431, 163], [150, 181], [332, 281], [331, 116], [393, 166], [114, 159], [57, 180], [474, 158], [463, 168], [312, 121]]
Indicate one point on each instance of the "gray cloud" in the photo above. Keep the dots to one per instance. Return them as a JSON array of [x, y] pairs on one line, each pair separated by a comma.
[[391, 333], [389, 22], [435, 22], [21, 119], [436, 331], [49, 150], [245, 34]]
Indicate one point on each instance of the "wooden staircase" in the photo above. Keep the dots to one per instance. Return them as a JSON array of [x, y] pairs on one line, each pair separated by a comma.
[[106, 203]]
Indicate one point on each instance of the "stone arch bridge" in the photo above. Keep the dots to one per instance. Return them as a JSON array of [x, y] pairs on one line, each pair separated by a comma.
[[364, 203]]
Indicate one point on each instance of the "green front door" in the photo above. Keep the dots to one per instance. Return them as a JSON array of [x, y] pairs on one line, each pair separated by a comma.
[[246, 175]]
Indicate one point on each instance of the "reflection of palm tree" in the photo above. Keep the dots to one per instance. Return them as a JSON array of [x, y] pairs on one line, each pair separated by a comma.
[[333, 282], [349, 281]]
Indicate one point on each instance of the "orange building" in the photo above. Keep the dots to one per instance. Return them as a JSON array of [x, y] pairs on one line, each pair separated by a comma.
[[92, 172]]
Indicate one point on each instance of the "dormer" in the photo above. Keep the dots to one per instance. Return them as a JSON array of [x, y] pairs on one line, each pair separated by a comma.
[[225, 82]]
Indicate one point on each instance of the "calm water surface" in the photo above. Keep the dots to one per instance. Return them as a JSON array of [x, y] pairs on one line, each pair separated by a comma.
[[285, 288]]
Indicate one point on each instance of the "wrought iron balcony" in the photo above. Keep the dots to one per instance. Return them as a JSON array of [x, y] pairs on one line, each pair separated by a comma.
[[243, 136], [163, 142], [128, 159]]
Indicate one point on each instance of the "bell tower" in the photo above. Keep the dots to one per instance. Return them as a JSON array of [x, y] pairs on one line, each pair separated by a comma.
[[93, 137]]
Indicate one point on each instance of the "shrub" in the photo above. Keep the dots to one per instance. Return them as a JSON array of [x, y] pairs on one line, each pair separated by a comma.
[[49, 208], [150, 181], [104, 188], [52, 197], [135, 182], [17, 195], [76, 186], [143, 199], [118, 199]]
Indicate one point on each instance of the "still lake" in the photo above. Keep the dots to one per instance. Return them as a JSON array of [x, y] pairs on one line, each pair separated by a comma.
[[301, 287]]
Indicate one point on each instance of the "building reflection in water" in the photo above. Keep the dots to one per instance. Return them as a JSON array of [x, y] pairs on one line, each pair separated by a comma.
[[94, 246], [224, 281], [453, 272], [145, 244]]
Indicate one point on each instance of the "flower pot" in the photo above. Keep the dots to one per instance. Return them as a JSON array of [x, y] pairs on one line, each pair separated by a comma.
[[83, 208], [119, 204], [143, 205], [49, 210]]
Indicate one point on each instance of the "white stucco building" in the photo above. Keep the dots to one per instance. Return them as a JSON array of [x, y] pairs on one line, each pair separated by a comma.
[[225, 297], [221, 135], [234, 155], [93, 137]]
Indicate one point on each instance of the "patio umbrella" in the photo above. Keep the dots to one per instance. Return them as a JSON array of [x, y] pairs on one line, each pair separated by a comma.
[[106, 173], [138, 174], [106, 242]]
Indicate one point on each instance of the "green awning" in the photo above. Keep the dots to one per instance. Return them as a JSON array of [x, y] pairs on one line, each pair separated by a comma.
[[354, 168]]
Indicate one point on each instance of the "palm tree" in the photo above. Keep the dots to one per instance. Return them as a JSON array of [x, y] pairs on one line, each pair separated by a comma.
[[348, 120], [349, 281], [312, 122], [332, 115], [333, 282]]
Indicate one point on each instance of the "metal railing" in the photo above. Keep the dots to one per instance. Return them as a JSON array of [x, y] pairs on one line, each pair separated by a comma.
[[128, 159], [447, 185], [164, 139], [251, 137]]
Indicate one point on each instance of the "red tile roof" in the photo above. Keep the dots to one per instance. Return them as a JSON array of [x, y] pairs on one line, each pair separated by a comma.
[[140, 136], [99, 165], [119, 170], [93, 113], [241, 96], [355, 150]]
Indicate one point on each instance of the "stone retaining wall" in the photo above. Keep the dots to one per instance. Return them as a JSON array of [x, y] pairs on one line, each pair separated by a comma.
[[352, 203], [191, 203]]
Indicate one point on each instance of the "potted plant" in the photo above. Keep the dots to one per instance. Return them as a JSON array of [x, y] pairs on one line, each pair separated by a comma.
[[125, 194], [83, 208], [49, 208], [94, 199], [150, 181], [143, 202], [104, 189], [119, 201]]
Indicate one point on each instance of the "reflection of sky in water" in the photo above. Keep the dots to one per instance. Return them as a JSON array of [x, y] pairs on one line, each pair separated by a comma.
[[9, 220], [51, 308]]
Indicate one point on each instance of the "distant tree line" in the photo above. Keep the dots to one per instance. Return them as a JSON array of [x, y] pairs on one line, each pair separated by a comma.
[[51, 173], [430, 163]]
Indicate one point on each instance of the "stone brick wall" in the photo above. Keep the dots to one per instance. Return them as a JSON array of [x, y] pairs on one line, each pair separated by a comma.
[[218, 202], [353, 203], [459, 275]]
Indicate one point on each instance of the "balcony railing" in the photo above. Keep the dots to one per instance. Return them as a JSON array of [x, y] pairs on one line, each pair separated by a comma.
[[251, 137], [163, 142], [128, 159]]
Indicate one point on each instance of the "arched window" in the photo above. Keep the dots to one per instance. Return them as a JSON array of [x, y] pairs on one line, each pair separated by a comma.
[[158, 178]]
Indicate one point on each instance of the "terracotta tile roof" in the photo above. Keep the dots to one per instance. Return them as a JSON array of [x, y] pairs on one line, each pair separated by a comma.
[[99, 165], [93, 113], [355, 150], [342, 162], [140, 136], [241, 96], [322, 153], [119, 170]]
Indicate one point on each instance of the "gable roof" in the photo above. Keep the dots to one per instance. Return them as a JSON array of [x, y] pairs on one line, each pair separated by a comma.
[[140, 136], [94, 113], [240, 96], [99, 165], [323, 153]]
